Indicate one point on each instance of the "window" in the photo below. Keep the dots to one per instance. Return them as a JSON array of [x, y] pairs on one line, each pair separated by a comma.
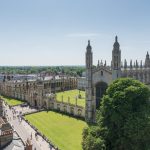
[[101, 73]]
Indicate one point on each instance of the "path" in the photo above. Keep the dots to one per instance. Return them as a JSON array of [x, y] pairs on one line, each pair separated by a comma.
[[24, 130]]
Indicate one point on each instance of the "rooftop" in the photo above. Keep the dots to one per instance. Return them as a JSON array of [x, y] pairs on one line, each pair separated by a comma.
[[16, 144]]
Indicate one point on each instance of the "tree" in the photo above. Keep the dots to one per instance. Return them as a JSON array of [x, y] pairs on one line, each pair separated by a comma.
[[125, 115], [93, 138]]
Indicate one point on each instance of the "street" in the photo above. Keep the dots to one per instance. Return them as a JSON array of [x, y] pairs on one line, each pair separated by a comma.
[[24, 130]]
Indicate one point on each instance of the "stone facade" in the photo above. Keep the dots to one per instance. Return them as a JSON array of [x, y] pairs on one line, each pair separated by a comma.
[[6, 131], [66, 107], [34, 91], [41, 93], [100, 76]]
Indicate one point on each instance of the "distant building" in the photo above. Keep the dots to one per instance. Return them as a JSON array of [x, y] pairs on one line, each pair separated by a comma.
[[15, 77], [81, 83]]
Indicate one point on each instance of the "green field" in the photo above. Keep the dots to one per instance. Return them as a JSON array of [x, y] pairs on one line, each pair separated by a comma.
[[11, 101], [72, 94], [65, 132]]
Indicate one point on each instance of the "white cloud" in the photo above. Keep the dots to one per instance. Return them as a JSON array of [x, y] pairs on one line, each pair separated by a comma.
[[82, 35]]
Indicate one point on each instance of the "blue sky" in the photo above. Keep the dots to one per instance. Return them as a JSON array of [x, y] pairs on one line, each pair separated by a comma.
[[55, 32]]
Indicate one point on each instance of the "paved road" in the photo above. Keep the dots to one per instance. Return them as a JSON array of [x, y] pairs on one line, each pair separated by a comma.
[[24, 130]]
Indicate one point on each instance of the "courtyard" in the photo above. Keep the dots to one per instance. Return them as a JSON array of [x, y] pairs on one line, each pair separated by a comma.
[[65, 132], [12, 101], [73, 95]]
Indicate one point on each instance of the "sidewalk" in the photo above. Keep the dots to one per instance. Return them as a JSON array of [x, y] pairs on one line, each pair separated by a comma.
[[25, 130]]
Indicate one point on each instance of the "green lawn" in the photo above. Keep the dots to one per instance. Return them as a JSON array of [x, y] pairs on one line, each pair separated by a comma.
[[72, 94], [11, 101], [65, 132]]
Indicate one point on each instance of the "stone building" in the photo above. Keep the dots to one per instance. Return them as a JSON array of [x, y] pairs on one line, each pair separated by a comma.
[[62, 106], [100, 76], [34, 91], [6, 131], [41, 93]]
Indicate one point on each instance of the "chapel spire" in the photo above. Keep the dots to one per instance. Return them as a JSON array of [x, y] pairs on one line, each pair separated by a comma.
[[147, 60], [147, 55], [89, 109], [89, 48], [116, 44], [116, 38], [89, 55], [125, 64], [131, 64], [116, 60]]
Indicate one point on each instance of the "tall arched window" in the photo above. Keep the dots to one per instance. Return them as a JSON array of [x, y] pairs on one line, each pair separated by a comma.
[[101, 73]]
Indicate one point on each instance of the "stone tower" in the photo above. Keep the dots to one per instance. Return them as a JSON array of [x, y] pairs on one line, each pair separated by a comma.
[[89, 108], [147, 60], [116, 60]]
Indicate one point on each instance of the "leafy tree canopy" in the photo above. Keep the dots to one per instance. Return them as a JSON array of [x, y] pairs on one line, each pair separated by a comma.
[[125, 115], [66, 70]]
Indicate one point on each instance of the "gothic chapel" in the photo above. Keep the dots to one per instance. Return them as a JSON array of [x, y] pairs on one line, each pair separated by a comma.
[[100, 76]]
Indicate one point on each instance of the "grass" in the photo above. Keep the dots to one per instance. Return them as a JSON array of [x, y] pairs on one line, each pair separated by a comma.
[[64, 131], [11, 101], [72, 94]]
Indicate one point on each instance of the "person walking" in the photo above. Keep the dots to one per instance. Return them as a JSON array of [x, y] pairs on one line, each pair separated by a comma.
[[31, 135]]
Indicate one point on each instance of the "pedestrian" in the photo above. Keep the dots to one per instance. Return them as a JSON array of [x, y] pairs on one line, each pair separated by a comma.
[[50, 146], [31, 135]]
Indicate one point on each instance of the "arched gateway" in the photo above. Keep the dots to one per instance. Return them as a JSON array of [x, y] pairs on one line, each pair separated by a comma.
[[98, 78], [100, 90]]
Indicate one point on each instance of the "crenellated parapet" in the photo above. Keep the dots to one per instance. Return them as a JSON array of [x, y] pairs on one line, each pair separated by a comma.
[[137, 65], [101, 66], [139, 71]]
